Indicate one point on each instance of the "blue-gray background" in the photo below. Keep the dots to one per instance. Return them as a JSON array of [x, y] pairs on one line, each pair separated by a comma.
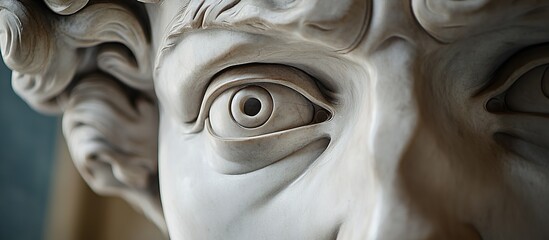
[[27, 148]]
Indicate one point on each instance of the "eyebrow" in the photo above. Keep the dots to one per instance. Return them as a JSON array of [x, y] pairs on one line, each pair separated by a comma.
[[342, 28]]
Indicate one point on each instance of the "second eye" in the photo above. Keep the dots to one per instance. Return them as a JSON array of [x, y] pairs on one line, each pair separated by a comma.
[[262, 108]]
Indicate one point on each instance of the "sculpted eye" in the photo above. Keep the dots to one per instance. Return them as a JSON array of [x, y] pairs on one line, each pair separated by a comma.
[[528, 94], [261, 114], [261, 108], [521, 104]]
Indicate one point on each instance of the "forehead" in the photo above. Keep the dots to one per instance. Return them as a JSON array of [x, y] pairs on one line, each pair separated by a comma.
[[341, 25], [336, 24], [448, 21]]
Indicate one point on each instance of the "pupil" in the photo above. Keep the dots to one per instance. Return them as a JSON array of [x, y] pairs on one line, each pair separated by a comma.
[[252, 106]]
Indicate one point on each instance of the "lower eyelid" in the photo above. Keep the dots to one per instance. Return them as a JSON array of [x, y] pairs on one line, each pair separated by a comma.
[[242, 155]]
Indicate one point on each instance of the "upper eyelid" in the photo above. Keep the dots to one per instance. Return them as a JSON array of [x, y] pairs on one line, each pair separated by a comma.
[[241, 75], [516, 66]]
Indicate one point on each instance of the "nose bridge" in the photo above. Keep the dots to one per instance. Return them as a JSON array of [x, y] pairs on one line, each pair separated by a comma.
[[393, 124], [391, 47], [394, 107]]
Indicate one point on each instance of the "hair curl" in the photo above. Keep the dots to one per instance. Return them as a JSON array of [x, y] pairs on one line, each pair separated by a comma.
[[91, 61]]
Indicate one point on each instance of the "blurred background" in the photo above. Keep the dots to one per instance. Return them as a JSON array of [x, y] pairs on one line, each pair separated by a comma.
[[42, 195]]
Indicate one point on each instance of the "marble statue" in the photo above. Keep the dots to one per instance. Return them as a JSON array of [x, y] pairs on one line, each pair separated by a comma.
[[294, 119]]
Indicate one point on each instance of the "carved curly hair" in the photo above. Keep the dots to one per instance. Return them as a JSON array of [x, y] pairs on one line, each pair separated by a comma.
[[91, 62]]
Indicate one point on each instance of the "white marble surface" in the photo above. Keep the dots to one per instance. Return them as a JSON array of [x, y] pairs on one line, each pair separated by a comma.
[[377, 119]]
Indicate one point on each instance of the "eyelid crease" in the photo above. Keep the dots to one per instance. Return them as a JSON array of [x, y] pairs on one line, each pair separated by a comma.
[[240, 155], [277, 74]]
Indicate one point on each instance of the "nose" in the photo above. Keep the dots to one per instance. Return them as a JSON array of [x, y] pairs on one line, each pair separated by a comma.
[[401, 151], [393, 125]]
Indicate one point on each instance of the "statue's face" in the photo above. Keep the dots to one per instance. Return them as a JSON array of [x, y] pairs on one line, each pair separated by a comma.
[[300, 119], [354, 120]]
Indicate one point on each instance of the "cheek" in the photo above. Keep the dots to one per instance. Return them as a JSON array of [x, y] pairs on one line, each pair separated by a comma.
[[176, 180], [530, 182], [200, 203]]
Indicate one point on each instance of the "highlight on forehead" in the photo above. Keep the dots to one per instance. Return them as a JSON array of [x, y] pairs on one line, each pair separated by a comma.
[[449, 20], [68, 7], [337, 24]]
